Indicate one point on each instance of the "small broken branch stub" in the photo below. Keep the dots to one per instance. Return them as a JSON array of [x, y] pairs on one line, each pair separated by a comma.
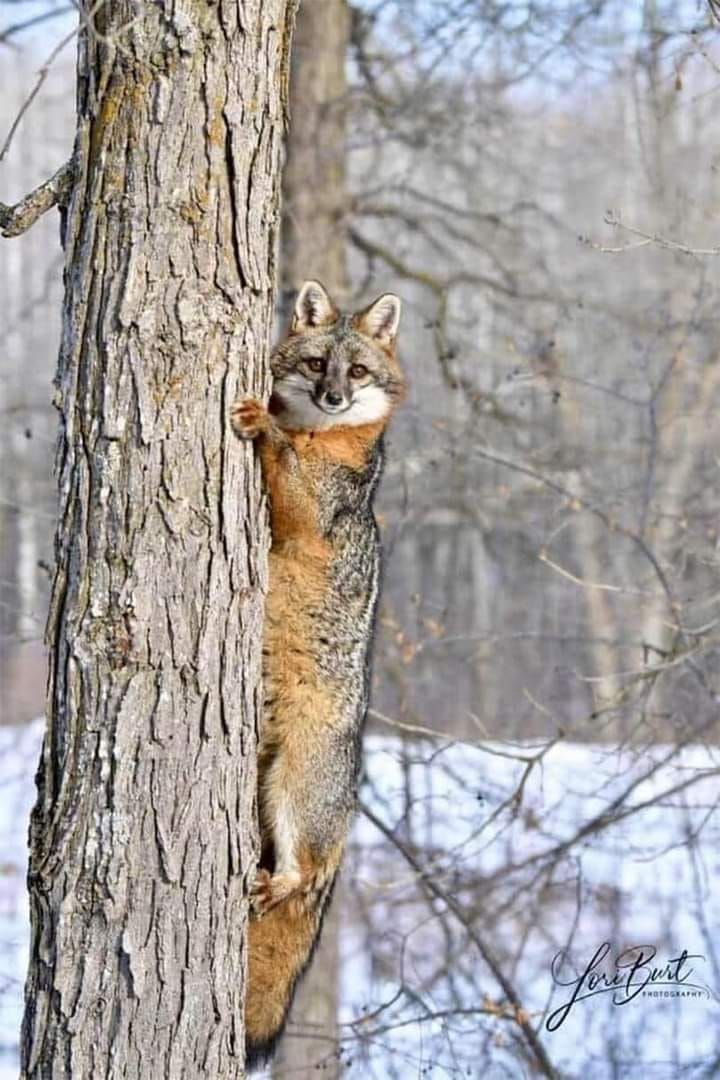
[[17, 219]]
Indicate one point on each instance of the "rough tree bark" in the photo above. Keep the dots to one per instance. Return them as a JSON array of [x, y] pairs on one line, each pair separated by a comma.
[[142, 838], [314, 245]]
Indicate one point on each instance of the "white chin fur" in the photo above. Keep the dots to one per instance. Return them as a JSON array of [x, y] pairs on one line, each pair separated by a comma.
[[370, 404]]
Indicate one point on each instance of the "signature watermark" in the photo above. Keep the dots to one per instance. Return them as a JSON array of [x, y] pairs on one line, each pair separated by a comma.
[[630, 974]]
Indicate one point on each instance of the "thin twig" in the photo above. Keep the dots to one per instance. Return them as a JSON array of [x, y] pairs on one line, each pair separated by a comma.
[[644, 239], [488, 954], [17, 28], [42, 76]]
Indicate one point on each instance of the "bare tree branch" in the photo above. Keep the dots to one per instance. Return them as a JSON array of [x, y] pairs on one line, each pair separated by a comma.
[[17, 219], [520, 1015], [41, 77], [26, 24], [644, 238]]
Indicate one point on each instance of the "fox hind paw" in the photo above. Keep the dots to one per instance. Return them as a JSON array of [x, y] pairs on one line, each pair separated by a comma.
[[268, 890]]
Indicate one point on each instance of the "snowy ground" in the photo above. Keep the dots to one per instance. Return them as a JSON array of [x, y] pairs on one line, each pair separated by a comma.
[[19, 750], [637, 882]]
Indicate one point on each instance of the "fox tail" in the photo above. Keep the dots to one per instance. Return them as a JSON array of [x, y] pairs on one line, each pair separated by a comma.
[[281, 946]]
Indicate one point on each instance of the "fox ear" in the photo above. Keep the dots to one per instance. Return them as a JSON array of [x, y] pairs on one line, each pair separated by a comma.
[[381, 319], [313, 307]]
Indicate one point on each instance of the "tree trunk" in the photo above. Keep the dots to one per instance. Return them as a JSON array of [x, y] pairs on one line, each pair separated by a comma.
[[142, 839], [315, 200], [314, 245]]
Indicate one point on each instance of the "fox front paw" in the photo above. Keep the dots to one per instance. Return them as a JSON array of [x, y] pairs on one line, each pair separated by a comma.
[[249, 418]]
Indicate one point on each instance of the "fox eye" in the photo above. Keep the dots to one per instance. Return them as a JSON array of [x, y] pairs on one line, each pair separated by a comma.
[[316, 363], [357, 371]]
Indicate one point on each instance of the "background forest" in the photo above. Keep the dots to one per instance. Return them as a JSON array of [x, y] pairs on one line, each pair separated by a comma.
[[541, 185]]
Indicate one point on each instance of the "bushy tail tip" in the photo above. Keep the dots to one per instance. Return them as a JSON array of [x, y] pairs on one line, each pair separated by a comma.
[[281, 945]]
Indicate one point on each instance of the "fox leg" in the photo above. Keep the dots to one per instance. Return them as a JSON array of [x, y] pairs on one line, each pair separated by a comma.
[[291, 873], [287, 879], [306, 810], [293, 499]]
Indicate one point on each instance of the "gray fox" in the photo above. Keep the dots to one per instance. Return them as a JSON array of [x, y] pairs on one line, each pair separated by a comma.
[[336, 383]]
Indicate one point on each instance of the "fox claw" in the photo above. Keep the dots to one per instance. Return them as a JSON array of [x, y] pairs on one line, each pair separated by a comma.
[[268, 890], [249, 418], [261, 892]]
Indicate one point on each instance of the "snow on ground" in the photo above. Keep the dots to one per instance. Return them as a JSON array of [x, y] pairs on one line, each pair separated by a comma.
[[636, 882], [19, 751]]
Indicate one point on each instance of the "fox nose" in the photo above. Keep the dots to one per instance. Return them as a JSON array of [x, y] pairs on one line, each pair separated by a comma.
[[333, 398]]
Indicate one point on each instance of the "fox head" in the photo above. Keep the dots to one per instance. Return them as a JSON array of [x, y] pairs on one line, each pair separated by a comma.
[[334, 369]]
